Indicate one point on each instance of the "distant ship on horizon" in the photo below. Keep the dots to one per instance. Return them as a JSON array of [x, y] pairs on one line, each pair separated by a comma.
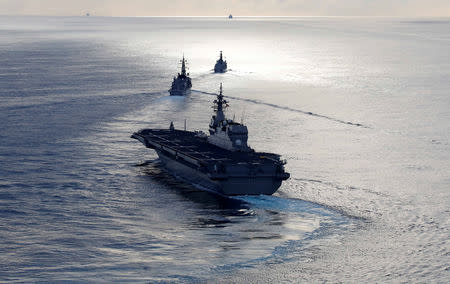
[[230, 16]]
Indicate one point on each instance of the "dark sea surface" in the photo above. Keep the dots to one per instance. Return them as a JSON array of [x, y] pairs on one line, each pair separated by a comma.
[[359, 108]]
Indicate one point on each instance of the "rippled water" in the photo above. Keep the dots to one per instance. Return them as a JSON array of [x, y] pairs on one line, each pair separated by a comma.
[[358, 107]]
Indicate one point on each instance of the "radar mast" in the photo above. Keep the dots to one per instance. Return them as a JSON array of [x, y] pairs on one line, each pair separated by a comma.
[[219, 105], [183, 66]]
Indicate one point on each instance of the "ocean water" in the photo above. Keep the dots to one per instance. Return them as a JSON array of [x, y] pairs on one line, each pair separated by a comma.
[[359, 108]]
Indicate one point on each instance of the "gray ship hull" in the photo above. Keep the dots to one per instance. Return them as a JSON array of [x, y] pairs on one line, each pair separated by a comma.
[[229, 186], [181, 92], [220, 68]]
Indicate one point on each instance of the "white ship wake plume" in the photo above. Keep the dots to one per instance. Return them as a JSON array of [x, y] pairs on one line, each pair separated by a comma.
[[289, 109]]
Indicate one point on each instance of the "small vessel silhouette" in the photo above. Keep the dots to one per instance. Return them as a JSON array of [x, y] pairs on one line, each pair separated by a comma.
[[181, 84], [221, 65]]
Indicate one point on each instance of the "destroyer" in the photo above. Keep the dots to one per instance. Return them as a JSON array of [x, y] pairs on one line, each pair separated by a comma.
[[221, 162], [221, 65], [181, 84]]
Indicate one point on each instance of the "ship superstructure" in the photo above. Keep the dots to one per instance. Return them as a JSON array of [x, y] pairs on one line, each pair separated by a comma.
[[225, 133], [221, 65], [181, 84], [221, 162]]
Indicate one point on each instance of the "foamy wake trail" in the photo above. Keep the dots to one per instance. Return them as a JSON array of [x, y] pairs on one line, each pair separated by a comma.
[[290, 109]]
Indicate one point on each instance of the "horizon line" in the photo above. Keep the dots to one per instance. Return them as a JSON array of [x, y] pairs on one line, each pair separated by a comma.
[[224, 16]]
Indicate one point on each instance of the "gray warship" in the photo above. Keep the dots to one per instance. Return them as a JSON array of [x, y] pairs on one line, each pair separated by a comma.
[[221, 162], [181, 84], [221, 65]]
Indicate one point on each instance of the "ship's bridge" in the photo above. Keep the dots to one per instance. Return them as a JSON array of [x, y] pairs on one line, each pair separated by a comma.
[[225, 133]]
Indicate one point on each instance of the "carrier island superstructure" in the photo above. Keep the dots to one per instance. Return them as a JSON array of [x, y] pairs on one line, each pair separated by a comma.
[[222, 161]]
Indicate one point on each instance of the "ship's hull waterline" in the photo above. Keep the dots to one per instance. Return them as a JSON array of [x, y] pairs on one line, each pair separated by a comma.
[[229, 186], [181, 92]]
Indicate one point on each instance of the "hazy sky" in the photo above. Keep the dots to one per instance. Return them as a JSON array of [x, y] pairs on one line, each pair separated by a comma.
[[224, 7]]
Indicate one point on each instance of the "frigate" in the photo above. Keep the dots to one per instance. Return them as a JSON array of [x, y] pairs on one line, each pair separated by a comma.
[[221, 162], [181, 84], [221, 65]]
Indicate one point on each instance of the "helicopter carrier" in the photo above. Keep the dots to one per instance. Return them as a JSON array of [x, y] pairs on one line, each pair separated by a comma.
[[181, 84], [221, 162]]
